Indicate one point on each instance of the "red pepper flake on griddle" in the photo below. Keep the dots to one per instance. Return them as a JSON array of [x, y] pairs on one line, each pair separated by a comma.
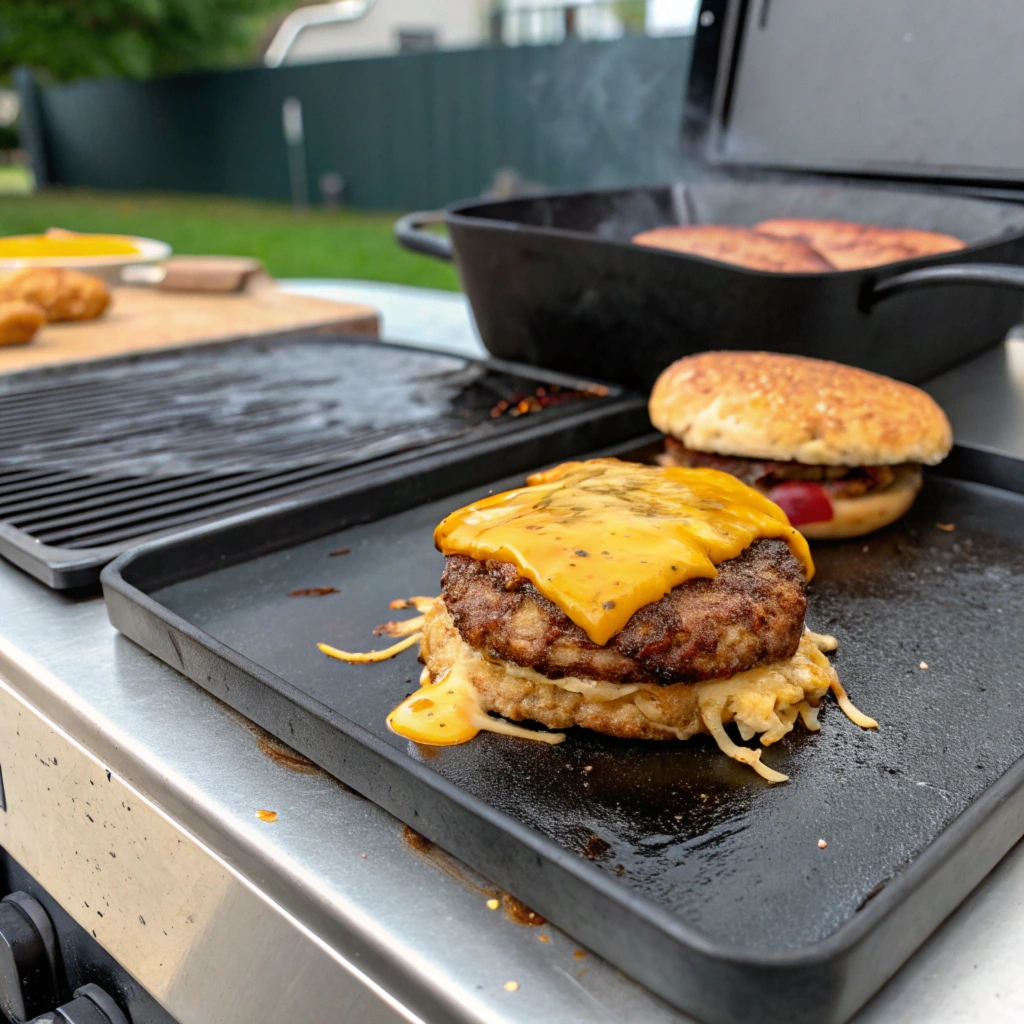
[[519, 404]]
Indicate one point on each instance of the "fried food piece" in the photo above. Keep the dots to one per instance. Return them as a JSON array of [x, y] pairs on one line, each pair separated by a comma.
[[62, 294], [19, 321], [742, 246], [849, 246], [750, 614]]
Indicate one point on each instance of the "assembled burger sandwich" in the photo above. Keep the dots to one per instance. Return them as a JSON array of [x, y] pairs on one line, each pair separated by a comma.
[[839, 449], [643, 602]]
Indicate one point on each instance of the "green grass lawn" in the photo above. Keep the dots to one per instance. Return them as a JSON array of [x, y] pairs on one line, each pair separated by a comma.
[[15, 180], [317, 244]]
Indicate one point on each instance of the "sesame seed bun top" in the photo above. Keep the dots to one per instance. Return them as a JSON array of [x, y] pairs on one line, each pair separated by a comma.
[[764, 405]]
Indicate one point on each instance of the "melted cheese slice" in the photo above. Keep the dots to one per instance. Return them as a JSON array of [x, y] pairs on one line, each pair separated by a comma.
[[447, 712], [603, 538]]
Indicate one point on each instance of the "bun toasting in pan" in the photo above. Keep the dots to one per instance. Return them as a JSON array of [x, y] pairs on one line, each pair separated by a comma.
[[741, 246], [796, 245], [849, 246], [838, 448]]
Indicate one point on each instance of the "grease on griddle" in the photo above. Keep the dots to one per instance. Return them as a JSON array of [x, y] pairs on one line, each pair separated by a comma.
[[433, 855], [595, 847], [312, 591], [286, 757], [519, 913], [430, 853], [519, 404], [273, 748], [872, 894]]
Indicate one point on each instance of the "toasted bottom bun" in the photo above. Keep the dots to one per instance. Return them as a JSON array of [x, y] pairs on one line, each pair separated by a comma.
[[764, 701], [853, 517]]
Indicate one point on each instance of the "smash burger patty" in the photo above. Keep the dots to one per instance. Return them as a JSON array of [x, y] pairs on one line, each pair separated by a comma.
[[750, 614]]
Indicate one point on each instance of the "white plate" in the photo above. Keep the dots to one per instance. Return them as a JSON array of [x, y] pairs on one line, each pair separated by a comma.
[[108, 267]]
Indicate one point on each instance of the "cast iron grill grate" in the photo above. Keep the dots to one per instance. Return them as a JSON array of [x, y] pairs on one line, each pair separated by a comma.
[[97, 457]]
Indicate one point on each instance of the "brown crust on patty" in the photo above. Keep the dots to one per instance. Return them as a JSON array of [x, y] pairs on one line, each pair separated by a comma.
[[751, 614]]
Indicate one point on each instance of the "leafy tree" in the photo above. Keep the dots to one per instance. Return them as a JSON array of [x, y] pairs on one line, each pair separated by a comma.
[[67, 39]]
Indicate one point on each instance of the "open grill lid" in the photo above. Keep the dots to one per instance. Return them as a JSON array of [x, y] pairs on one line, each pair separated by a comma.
[[898, 89]]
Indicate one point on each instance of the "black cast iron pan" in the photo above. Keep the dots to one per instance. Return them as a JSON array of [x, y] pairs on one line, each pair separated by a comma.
[[554, 280]]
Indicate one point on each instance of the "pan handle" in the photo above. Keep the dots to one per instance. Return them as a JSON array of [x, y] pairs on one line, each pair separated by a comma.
[[408, 231], [999, 275]]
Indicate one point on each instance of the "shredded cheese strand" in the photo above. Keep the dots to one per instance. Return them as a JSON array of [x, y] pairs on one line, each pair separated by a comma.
[[360, 658], [844, 702], [401, 627], [823, 641], [421, 604], [855, 716], [508, 729], [712, 715], [809, 716]]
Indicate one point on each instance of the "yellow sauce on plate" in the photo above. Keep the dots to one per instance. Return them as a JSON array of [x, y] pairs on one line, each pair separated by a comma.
[[59, 244]]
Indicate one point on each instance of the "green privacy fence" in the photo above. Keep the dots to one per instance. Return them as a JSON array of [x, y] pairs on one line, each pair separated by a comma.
[[408, 131]]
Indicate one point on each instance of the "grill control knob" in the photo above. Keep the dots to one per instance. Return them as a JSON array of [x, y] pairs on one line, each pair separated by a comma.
[[28, 958], [90, 1005]]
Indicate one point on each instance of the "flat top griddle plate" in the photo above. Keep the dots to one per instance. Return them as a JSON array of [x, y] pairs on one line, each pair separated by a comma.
[[679, 824]]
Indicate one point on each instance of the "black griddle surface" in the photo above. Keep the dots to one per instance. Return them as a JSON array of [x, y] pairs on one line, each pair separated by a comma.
[[679, 824]]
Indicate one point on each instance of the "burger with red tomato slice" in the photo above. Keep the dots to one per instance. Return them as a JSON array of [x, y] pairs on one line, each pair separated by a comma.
[[839, 449]]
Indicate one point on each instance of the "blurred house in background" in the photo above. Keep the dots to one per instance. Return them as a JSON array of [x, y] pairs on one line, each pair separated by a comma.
[[349, 28]]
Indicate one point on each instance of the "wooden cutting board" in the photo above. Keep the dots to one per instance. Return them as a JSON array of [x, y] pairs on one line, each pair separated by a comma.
[[140, 319]]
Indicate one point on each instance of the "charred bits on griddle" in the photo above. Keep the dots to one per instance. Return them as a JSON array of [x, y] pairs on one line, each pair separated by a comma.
[[520, 404]]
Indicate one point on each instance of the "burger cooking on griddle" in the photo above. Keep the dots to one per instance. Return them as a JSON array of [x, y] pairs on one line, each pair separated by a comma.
[[639, 601], [838, 449]]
